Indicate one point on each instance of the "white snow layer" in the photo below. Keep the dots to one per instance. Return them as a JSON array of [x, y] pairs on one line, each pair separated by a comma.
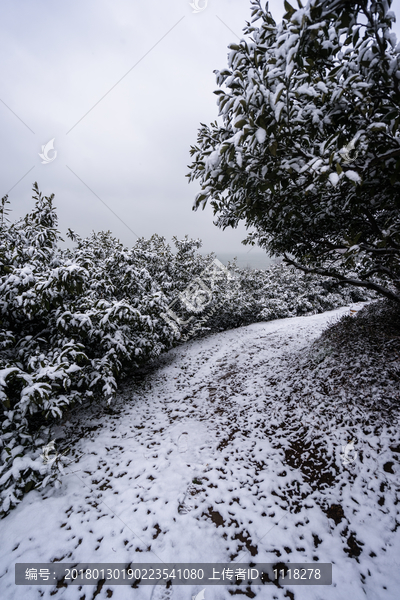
[[193, 465], [261, 134]]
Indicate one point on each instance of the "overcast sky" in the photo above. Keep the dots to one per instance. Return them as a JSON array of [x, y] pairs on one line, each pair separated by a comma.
[[122, 87]]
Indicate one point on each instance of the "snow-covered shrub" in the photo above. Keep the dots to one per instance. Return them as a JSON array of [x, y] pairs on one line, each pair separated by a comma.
[[72, 323], [75, 321], [279, 292]]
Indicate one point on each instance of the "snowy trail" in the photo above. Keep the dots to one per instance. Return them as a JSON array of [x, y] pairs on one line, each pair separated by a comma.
[[207, 462]]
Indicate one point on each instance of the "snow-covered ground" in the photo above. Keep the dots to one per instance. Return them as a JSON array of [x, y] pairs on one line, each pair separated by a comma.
[[226, 451]]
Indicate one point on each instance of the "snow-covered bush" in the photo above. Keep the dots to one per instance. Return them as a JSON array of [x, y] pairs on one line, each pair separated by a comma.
[[280, 292], [75, 321], [72, 323]]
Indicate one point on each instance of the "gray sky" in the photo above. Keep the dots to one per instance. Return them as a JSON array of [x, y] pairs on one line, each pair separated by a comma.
[[128, 144]]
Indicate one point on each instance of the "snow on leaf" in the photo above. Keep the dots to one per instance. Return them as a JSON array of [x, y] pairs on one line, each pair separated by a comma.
[[334, 178], [353, 176], [261, 134]]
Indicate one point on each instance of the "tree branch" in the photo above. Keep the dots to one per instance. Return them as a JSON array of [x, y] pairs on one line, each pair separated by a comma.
[[345, 280]]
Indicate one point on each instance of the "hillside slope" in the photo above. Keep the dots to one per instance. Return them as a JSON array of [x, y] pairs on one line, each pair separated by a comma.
[[229, 449]]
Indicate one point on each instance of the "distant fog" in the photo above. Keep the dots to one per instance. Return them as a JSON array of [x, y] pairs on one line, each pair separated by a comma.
[[253, 259]]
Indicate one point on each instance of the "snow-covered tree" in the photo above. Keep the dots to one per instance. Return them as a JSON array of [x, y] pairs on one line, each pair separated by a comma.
[[307, 151]]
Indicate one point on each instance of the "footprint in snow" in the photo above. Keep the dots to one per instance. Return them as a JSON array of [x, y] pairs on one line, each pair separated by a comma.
[[185, 506], [191, 497], [182, 442], [161, 592]]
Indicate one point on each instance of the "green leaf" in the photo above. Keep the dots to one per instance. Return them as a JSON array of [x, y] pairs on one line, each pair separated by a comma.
[[280, 94], [273, 147], [200, 198], [29, 486], [289, 10], [241, 123]]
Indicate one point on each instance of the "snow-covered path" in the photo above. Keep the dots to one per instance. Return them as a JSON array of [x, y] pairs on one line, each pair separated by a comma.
[[207, 461]]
